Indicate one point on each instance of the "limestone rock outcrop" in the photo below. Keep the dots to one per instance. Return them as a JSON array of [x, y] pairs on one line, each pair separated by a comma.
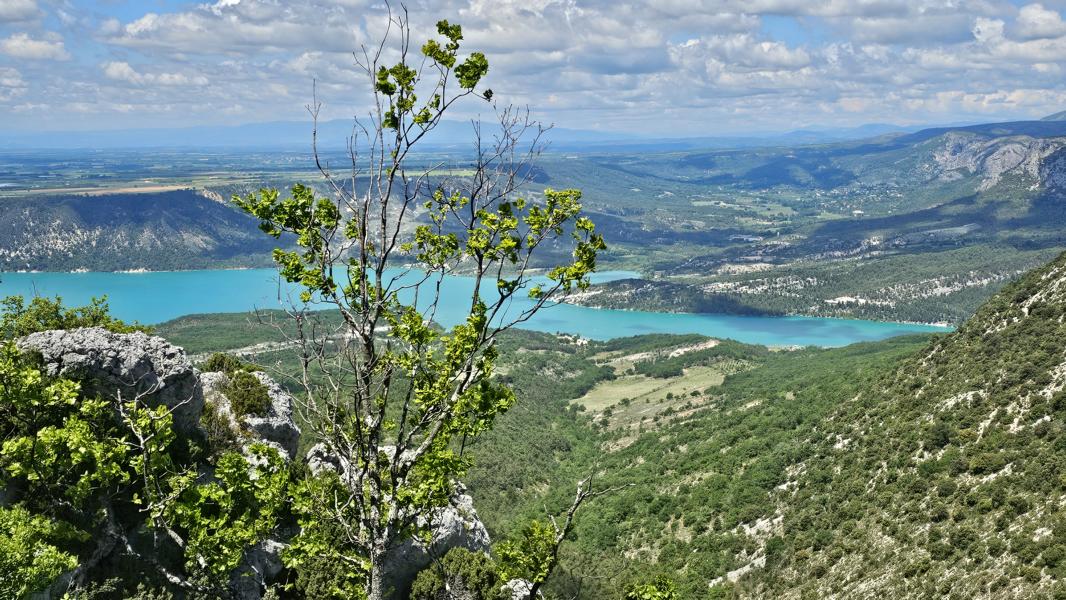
[[519, 589], [453, 526], [277, 426], [126, 365], [261, 564], [114, 366]]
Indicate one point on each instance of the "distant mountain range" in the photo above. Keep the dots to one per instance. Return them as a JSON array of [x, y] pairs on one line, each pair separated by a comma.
[[450, 134], [332, 135], [181, 229], [906, 225]]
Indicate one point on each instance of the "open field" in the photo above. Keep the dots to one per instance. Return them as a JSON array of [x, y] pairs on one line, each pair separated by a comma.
[[119, 189], [633, 400]]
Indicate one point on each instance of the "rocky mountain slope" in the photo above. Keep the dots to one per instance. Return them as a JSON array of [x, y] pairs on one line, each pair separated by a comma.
[[908, 468], [180, 229], [948, 477], [117, 367]]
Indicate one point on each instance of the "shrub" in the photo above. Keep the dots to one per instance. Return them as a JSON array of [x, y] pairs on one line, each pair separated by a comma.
[[220, 436], [226, 363], [18, 319], [28, 558], [661, 589], [460, 574], [247, 395]]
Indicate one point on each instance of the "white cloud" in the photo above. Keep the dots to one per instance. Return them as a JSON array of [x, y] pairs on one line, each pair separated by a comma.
[[1035, 21], [748, 52], [18, 10], [122, 71], [21, 45], [11, 83], [249, 27], [988, 30], [923, 29], [621, 63]]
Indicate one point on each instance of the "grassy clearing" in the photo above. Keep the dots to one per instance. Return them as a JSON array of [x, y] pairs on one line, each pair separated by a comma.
[[633, 400]]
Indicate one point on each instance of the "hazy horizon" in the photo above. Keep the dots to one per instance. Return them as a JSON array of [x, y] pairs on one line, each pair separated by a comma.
[[655, 68]]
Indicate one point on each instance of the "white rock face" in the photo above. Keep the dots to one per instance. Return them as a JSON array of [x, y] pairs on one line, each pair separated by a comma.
[[261, 564], [453, 526], [992, 159], [1053, 171], [124, 365], [519, 589]]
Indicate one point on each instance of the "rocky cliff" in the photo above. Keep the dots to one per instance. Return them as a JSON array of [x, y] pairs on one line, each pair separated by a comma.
[[131, 366]]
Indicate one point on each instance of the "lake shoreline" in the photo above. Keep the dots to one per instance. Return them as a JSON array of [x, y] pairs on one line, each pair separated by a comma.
[[152, 297], [937, 324]]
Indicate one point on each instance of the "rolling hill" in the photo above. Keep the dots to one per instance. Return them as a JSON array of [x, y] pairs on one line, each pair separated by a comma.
[[921, 226], [909, 226]]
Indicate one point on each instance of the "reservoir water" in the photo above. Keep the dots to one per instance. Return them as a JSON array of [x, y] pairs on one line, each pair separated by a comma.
[[155, 297]]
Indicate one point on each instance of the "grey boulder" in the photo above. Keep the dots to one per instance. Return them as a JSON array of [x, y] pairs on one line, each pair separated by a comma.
[[519, 589], [261, 564]]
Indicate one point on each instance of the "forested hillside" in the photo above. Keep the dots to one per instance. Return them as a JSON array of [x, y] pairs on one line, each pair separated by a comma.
[[947, 477], [897, 469], [921, 227]]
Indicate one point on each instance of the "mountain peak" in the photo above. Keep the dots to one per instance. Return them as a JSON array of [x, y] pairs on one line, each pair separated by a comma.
[[1059, 116]]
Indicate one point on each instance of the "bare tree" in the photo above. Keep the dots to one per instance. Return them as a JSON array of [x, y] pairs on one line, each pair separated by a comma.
[[388, 395], [585, 492]]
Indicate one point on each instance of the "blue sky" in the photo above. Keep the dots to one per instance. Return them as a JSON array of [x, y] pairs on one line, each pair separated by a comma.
[[663, 67]]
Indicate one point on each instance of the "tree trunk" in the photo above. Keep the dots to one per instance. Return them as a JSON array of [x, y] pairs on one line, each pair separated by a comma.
[[377, 577]]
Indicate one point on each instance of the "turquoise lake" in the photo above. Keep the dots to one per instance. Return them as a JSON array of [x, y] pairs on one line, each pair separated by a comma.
[[160, 296]]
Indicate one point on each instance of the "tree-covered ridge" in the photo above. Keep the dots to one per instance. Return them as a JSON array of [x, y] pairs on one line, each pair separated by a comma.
[[699, 503], [945, 478]]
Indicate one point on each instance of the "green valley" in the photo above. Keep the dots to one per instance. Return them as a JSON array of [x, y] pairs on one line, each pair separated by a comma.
[[312, 299]]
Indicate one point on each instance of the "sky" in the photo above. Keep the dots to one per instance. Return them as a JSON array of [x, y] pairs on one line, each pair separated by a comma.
[[655, 67]]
